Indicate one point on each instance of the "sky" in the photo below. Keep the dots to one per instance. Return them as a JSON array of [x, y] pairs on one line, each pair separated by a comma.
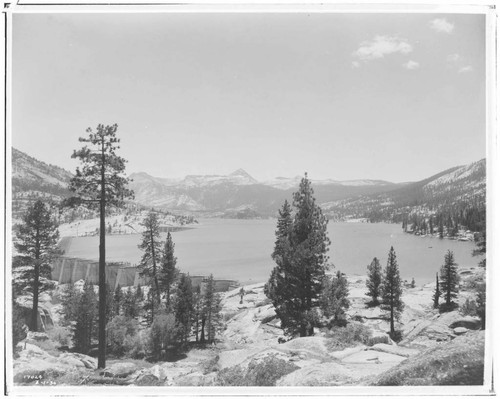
[[397, 97]]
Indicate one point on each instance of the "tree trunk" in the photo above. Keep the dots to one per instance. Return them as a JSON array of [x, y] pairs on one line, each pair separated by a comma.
[[197, 325], [36, 287], [303, 332], [153, 255], [202, 337], [392, 318], [101, 361]]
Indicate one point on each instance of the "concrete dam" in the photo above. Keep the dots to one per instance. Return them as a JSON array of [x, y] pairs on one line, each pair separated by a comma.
[[67, 270]]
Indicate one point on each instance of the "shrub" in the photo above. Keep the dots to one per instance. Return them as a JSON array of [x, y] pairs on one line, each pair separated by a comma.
[[396, 336], [379, 339], [345, 337], [164, 336], [47, 345], [61, 335], [443, 307], [232, 376], [469, 308], [210, 365], [260, 372], [269, 370], [121, 333], [135, 346]]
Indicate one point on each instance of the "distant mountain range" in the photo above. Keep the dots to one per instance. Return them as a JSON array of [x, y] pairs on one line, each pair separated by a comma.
[[240, 195]]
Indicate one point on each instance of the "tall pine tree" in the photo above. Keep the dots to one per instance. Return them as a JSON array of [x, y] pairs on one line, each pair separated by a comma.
[[282, 241], [392, 290], [168, 271], [184, 306], [437, 293], [100, 183], [300, 256], [449, 280], [150, 262], [374, 281], [211, 316], [86, 319], [117, 300], [36, 245]]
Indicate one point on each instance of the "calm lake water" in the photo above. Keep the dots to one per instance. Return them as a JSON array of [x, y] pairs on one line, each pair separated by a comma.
[[241, 249]]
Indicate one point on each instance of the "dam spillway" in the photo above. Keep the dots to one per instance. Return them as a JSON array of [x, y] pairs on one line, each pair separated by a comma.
[[69, 270], [66, 270]]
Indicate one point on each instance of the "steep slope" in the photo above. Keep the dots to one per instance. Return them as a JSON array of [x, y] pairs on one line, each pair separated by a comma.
[[448, 188], [30, 176], [33, 179]]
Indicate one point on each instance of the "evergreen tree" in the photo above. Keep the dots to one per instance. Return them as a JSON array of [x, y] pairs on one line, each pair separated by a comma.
[[197, 311], [151, 258], [164, 335], [335, 297], [99, 184], [211, 317], [36, 244], [281, 244], [449, 281], [86, 319], [110, 303], [130, 305], [300, 257], [437, 293], [431, 226], [70, 304], [168, 272], [441, 228], [480, 249], [481, 304], [184, 306], [117, 300], [374, 281], [392, 289], [139, 295]]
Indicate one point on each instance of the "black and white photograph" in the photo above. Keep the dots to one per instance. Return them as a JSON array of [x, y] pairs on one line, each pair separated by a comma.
[[250, 200]]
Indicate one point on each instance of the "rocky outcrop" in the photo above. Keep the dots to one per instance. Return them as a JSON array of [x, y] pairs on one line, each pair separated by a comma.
[[33, 363], [119, 370], [459, 362]]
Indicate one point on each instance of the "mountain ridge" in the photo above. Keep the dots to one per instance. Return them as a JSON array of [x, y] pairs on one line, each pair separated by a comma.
[[238, 194]]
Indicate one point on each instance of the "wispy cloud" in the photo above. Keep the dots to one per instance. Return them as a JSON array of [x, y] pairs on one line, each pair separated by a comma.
[[355, 64], [464, 69], [380, 47], [457, 62], [411, 65], [453, 58], [442, 25]]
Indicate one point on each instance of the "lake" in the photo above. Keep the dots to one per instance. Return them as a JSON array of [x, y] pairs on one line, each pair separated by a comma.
[[241, 249]]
